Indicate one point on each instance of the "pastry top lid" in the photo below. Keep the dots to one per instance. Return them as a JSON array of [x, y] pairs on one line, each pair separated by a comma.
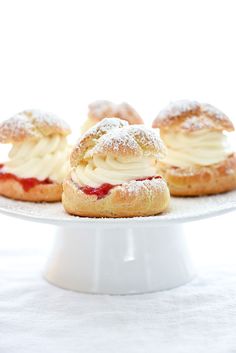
[[192, 116], [116, 137], [32, 125], [99, 110]]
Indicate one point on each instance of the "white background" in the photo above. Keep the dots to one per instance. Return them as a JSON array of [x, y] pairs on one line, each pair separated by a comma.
[[60, 55]]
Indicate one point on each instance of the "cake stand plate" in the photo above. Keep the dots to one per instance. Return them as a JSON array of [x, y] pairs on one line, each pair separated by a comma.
[[124, 255]]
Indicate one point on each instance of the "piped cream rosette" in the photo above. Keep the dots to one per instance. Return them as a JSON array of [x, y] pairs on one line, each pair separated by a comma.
[[47, 158]]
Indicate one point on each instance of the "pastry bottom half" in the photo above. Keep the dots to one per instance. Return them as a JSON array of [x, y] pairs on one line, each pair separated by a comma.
[[40, 193], [132, 199], [199, 181]]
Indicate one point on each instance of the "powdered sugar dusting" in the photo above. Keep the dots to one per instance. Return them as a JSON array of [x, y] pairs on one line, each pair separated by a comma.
[[177, 108], [134, 187], [108, 124], [103, 127], [44, 118], [213, 111], [193, 116], [31, 124], [131, 139], [16, 128], [114, 141], [196, 123], [148, 139]]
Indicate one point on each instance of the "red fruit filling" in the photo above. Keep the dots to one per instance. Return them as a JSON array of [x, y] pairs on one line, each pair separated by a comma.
[[104, 189], [26, 183]]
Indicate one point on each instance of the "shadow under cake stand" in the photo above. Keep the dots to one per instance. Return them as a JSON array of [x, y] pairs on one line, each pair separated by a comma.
[[123, 255]]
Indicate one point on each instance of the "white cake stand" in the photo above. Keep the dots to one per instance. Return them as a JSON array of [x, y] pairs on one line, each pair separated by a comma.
[[121, 256]]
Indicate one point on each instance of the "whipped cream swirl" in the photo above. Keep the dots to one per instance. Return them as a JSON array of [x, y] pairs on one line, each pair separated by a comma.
[[46, 158], [198, 148], [98, 170]]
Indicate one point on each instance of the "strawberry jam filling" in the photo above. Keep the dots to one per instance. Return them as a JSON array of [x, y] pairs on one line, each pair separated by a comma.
[[104, 189], [26, 183]]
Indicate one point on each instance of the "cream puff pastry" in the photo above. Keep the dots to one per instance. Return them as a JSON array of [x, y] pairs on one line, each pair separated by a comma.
[[99, 110], [39, 157], [114, 172], [200, 160]]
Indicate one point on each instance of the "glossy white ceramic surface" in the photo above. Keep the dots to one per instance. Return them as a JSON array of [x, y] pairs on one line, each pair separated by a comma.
[[119, 261]]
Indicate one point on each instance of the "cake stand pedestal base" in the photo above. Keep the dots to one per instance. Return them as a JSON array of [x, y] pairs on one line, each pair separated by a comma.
[[113, 260]]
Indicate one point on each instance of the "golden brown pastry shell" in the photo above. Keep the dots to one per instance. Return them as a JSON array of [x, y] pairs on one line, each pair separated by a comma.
[[199, 181], [40, 193], [32, 125], [115, 137], [151, 198], [192, 116]]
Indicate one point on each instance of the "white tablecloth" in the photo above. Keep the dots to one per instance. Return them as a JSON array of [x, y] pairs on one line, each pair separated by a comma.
[[37, 317]]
